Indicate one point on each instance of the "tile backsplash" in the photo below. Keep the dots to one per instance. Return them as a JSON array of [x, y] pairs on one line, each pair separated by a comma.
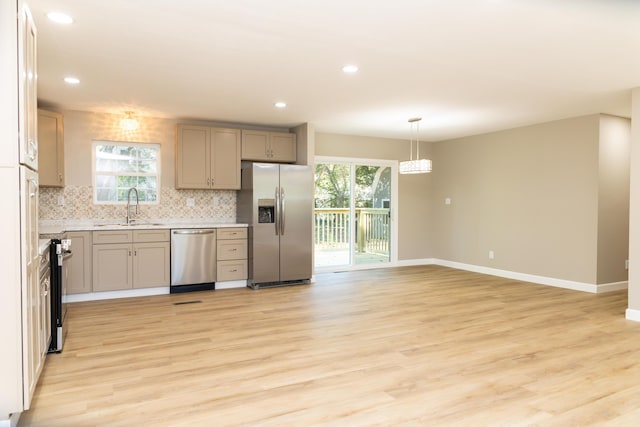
[[77, 204]]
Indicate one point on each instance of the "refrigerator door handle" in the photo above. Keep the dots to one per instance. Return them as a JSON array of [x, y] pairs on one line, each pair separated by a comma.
[[282, 213], [277, 212]]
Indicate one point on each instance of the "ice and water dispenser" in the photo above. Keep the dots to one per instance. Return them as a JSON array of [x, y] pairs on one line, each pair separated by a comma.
[[266, 211]]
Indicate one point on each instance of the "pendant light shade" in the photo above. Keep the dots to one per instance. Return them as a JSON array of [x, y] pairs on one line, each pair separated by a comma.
[[129, 123], [419, 165]]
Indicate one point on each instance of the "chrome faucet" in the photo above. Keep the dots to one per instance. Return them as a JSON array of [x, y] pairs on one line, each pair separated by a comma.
[[134, 189]]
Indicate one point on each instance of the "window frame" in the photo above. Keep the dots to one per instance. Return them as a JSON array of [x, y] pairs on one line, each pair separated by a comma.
[[157, 174]]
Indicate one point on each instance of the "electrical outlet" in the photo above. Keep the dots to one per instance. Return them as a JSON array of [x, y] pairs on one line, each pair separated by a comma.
[[491, 255], [191, 202], [447, 201], [60, 200], [626, 264], [216, 201]]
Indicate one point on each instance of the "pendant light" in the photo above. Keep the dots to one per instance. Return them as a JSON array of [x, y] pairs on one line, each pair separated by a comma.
[[418, 165], [129, 123]]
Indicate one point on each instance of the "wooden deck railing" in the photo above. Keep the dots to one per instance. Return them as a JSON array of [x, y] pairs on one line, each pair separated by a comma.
[[332, 228]]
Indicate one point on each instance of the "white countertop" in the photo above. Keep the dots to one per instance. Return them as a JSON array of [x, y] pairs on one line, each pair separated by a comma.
[[58, 227], [43, 245]]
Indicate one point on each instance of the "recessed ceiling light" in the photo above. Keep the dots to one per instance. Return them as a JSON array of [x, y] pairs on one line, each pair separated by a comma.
[[280, 104], [60, 18], [72, 80], [350, 68]]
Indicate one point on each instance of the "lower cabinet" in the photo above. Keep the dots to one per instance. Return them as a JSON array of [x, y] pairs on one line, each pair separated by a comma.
[[130, 259], [79, 266], [231, 254]]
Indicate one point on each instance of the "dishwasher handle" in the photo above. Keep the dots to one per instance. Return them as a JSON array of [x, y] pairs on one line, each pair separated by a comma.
[[193, 231]]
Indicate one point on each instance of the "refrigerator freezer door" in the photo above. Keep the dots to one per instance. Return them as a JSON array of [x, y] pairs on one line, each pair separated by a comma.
[[296, 191], [265, 235]]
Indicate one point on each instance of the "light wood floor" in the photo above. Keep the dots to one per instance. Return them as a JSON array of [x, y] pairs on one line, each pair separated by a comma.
[[415, 346]]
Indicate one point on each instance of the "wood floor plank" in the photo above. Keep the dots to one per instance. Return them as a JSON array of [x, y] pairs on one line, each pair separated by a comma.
[[412, 346]]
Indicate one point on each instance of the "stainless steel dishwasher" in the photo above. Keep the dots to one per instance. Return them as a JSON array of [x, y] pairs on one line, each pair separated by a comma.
[[193, 259]]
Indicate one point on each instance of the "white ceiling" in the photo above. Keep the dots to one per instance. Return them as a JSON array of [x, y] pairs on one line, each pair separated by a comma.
[[465, 66]]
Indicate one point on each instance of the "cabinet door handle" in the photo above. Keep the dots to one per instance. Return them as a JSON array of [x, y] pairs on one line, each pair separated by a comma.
[[33, 150], [213, 180], [129, 253], [60, 177], [235, 270]]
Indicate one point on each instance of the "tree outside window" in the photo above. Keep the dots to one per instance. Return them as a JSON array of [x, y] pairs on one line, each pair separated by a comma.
[[119, 166]]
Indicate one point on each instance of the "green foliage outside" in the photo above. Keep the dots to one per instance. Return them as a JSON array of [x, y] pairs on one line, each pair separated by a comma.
[[124, 167], [333, 182]]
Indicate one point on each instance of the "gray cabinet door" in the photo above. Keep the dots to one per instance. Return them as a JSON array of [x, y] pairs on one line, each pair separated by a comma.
[[50, 149], [80, 263], [225, 159], [192, 156], [112, 266], [151, 264]]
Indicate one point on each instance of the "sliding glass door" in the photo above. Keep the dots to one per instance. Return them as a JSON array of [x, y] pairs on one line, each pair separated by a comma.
[[354, 203]]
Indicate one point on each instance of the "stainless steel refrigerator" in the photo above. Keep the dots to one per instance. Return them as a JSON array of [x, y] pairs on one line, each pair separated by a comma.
[[276, 200]]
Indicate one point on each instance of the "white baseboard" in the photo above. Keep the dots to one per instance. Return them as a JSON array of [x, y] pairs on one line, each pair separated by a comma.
[[96, 296], [12, 421], [231, 284], [163, 290], [412, 262], [401, 263], [632, 314], [614, 286], [542, 280]]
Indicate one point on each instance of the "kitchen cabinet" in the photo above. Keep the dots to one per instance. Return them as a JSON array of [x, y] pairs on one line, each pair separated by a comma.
[[130, 259], [51, 149], [21, 299], [207, 158], [44, 326], [33, 301], [79, 265], [268, 146], [231, 254]]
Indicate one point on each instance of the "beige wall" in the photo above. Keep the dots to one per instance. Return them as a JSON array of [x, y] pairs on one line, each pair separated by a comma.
[[81, 128], [528, 194], [414, 190], [305, 143], [613, 199], [634, 209]]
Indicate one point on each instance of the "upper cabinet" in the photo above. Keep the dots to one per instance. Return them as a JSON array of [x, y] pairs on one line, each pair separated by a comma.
[[27, 88], [207, 158], [268, 146], [51, 148]]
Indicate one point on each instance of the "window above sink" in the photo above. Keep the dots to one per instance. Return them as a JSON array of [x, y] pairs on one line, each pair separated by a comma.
[[119, 166]]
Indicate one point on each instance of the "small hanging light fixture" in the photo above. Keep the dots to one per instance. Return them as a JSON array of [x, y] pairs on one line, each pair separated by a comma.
[[129, 123], [418, 165]]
